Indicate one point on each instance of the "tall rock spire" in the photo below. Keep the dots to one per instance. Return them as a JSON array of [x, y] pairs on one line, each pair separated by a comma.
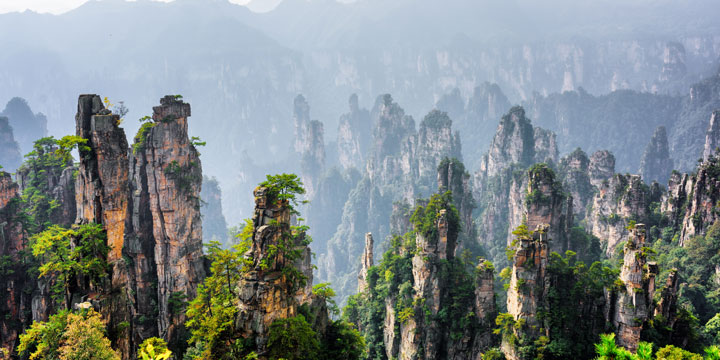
[[656, 164]]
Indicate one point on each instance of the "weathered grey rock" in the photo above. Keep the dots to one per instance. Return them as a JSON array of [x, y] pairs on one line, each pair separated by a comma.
[[529, 286], [634, 300], [354, 136], [656, 164], [402, 165], [265, 293], [601, 167], [712, 136], [365, 263], [618, 201], [310, 145], [15, 302], [10, 158], [214, 225], [573, 170], [691, 199]]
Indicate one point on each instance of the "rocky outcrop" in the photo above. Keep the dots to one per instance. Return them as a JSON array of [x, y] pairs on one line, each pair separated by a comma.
[[691, 199], [573, 171], [10, 158], [622, 199], [712, 136], [544, 203], [147, 199], [501, 183], [365, 263], [27, 125], [656, 164], [485, 306], [214, 225], [529, 287], [635, 298], [601, 167], [103, 183], [265, 293], [309, 144], [354, 136], [15, 302], [174, 178], [451, 176], [402, 165]]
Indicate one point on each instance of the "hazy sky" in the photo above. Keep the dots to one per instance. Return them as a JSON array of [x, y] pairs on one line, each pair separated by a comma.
[[60, 6]]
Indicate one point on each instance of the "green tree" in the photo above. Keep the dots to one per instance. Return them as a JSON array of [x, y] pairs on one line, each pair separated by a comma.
[[65, 254], [68, 336], [284, 187], [293, 339], [154, 349]]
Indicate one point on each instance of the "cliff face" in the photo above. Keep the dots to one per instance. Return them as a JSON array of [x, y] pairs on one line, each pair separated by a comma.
[[214, 225], [27, 125], [422, 301], [10, 157], [451, 176], [712, 136], [618, 201], [501, 184], [174, 178], [691, 198], [147, 199], [14, 300], [309, 144], [529, 286], [266, 294], [574, 172], [354, 136], [656, 164], [635, 298], [402, 165]]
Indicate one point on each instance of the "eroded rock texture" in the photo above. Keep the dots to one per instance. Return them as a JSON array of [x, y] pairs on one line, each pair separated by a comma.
[[147, 199], [529, 286], [365, 263], [10, 157], [691, 199], [501, 183], [712, 136], [266, 294], [214, 225], [622, 199], [402, 165], [15, 302], [635, 299], [656, 164], [353, 138], [310, 145]]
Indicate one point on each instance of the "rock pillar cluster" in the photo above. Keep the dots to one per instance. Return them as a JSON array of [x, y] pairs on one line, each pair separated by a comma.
[[147, 199]]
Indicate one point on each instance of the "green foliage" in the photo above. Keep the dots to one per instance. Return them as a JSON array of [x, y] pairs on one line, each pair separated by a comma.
[[195, 141], [606, 349], [154, 349], [572, 283], [343, 342], [68, 143], [184, 176], [44, 163], [293, 339], [177, 302], [425, 218], [325, 292], [68, 335], [63, 254], [671, 352], [211, 315], [284, 188], [142, 134]]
